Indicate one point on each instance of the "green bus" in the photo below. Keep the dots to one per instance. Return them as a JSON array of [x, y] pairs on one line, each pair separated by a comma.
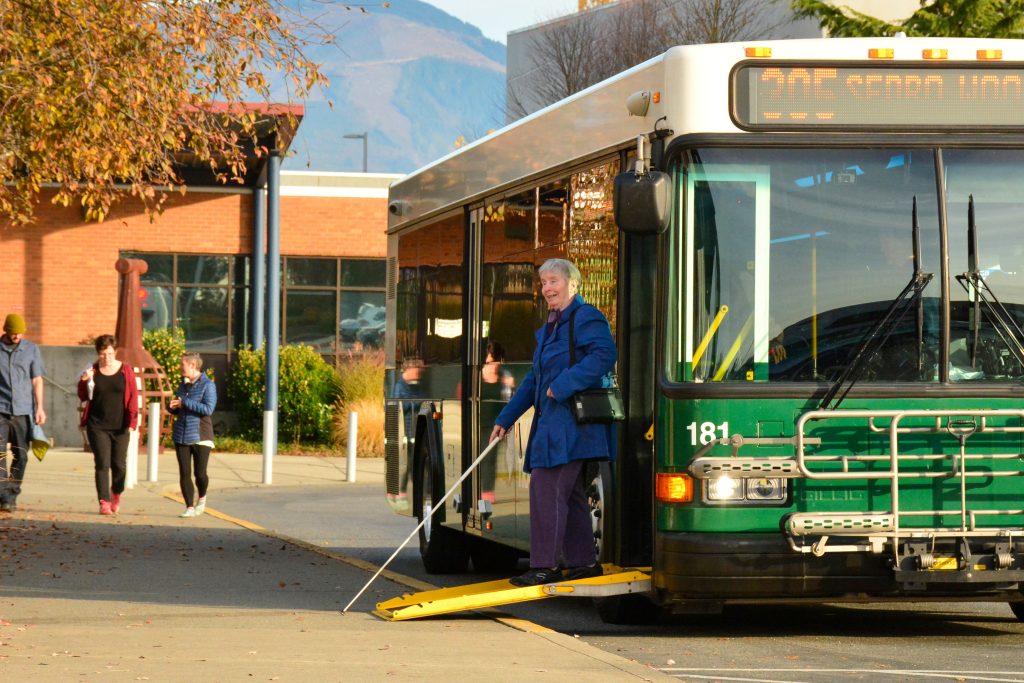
[[810, 255]]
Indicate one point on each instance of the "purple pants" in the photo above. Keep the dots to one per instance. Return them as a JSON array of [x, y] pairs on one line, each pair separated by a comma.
[[560, 523]]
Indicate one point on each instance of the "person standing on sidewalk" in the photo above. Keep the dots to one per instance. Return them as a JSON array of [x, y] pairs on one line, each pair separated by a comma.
[[111, 412], [21, 403], [193, 405]]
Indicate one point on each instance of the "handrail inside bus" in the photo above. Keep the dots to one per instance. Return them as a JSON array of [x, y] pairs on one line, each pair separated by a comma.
[[712, 329]]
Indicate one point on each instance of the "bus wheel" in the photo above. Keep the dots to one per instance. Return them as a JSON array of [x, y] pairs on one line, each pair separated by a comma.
[[443, 550], [617, 609], [1018, 610], [493, 558]]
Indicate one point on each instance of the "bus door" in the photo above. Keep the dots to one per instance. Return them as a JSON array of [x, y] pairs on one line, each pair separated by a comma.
[[726, 328], [502, 349]]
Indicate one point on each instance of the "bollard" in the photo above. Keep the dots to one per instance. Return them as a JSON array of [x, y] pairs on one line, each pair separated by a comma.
[[269, 445], [353, 431], [153, 441]]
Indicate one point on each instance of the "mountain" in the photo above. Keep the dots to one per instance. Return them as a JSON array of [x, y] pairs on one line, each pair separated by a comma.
[[412, 76]]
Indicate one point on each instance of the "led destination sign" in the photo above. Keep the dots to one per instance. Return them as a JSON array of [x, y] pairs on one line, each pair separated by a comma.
[[785, 96]]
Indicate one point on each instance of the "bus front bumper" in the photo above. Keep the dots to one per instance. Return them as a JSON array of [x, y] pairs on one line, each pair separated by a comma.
[[750, 567]]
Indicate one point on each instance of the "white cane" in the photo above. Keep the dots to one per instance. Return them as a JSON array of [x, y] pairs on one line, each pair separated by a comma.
[[437, 506]]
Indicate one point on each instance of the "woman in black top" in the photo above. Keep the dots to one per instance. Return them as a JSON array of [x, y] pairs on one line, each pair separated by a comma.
[[111, 412]]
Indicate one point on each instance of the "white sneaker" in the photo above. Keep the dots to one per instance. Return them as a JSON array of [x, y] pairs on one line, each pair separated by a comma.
[[189, 512], [200, 506]]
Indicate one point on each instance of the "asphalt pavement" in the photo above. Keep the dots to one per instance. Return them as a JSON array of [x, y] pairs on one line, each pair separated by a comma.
[[148, 596]]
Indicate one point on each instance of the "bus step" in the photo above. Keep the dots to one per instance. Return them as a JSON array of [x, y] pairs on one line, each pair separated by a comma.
[[615, 581]]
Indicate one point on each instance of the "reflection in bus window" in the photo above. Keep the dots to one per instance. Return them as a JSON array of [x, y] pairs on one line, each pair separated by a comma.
[[980, 350], [428, 316], [805, 249], [507, 275]]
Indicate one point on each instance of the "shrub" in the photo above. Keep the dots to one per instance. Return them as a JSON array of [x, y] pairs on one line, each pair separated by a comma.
[[166, 345], [370, 435], [307, 389], [362, 377], [361, 389]]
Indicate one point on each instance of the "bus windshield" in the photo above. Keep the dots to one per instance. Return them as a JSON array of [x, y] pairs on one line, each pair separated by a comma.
[[783, 259]]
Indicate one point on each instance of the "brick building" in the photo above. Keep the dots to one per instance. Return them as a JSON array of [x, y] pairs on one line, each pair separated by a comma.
[[59, 272]]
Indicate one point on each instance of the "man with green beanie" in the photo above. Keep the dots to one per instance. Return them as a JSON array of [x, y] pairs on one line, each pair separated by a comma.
[[21, 403]]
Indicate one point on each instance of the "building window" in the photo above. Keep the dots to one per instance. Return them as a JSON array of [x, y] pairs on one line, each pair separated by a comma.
[[335, 305]]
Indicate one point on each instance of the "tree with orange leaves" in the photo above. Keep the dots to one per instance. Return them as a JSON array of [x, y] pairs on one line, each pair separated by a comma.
[[97, 97]]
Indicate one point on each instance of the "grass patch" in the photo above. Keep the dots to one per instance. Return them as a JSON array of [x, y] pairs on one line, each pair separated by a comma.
[[236, 444]]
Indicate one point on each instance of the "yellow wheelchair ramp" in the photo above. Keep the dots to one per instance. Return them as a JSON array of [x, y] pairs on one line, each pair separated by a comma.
[[615, 581]]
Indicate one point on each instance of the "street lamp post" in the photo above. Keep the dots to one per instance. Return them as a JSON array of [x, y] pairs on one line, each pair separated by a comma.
[[357, 136]]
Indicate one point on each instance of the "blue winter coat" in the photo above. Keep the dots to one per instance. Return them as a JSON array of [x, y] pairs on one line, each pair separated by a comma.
[[555, 438], [198, 400]]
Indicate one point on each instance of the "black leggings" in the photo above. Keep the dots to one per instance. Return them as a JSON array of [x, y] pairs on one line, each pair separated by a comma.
[[188, 454], [110, 455]]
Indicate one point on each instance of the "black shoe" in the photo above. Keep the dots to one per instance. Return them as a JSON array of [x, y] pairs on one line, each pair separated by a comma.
[[577, 573], [537, 577]]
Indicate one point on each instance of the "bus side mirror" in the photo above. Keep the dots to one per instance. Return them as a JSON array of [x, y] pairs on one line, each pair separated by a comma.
[[643, 203]]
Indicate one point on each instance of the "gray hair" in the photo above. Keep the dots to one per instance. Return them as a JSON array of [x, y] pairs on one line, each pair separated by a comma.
[[193, 359], [566, 269]]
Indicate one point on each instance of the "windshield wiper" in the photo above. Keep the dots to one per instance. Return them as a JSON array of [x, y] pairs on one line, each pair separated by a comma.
[[974, 284], [910, 297]]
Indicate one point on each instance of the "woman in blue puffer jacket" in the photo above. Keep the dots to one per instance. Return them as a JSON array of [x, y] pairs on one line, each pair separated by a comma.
[[193, 405]]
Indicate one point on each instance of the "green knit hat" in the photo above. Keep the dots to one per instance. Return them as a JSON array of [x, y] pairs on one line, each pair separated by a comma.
[[14, 324]]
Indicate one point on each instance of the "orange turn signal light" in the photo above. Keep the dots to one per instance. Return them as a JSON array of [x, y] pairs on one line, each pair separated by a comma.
[[673, 487], [990, 54], [934, 54], [656, 96], [758, 51], [881, 53]]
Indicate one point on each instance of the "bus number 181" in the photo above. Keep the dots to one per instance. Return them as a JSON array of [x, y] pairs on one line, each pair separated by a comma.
[[707, 431]]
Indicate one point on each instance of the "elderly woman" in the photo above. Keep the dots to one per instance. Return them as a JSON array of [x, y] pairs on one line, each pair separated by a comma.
[[193, 405], [560, 524], [111, 412]]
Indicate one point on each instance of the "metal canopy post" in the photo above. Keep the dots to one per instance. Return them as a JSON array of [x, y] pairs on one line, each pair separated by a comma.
[[273, 312], [257, 303]]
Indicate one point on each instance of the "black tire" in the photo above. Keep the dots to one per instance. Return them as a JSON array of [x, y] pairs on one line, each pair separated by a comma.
[[1018, 610], [493, 558], [443, 550], [616, 609]]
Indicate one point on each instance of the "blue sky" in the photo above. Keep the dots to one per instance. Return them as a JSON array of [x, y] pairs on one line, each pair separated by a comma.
[[497, 17]]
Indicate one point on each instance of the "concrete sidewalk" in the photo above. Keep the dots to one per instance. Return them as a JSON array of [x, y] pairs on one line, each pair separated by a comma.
[[148, 596]]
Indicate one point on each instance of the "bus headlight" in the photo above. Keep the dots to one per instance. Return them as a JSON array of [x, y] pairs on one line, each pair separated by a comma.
[[766, 489], [725, 488]]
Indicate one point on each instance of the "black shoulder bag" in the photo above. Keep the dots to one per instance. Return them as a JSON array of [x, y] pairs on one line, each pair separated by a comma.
[[589, 406]]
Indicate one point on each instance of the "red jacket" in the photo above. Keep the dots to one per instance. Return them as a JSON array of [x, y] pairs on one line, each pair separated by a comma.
[[131, 396]]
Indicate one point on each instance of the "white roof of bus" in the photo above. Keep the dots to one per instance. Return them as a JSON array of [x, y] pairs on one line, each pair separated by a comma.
[[594, 122]]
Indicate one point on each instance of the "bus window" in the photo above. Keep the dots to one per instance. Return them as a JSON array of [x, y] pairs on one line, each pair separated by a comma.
[[506, 292], [783, 259], [594, 238], [979, 349], [428, 322]]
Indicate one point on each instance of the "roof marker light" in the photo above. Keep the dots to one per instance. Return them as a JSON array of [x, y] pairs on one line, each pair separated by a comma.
[[881, 53], [758, 52], [935, 54], [990, 54]]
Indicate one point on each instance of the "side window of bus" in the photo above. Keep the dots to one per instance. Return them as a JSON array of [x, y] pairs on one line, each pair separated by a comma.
[[429, 305], [575, 222], [506, 293]]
